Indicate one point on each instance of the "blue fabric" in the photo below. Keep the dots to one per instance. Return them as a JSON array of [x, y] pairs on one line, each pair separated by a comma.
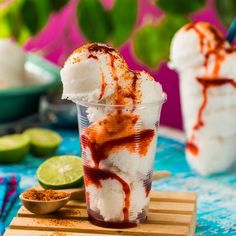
[[216, 195], [3, 191], [9, 191]]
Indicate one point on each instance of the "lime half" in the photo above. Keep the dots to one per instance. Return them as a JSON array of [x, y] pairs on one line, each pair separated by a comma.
[[61, 172], [13, 148], [43, 142]]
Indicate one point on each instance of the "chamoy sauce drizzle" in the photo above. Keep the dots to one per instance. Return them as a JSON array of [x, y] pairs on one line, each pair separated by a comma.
[[94, 48], [94, 175], [113, 133], [107, 131], [147, 183], [207, 82], [103, 87]]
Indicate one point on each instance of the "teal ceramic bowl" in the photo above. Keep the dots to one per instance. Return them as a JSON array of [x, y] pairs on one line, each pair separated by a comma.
[[16, 103]]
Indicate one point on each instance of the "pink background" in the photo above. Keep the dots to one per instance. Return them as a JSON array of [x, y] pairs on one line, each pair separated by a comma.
[[61, 36]]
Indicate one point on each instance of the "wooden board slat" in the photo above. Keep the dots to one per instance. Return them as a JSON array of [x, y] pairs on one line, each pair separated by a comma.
[[81, 214], [15, 232], [172, 207], [170, 214], [66, 225], [173, 197], [155, 206], [75, 203]]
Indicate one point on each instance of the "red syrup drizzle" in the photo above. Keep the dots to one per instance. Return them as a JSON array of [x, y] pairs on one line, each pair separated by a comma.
[[118, 99], [215, 51], [121, 95], [147, 183], [133, 94], [135, 142], [106, 50], [93, 56], [207, 82], [117, 131], [94, 175], [101, 152], [100, 48], [103, 87]]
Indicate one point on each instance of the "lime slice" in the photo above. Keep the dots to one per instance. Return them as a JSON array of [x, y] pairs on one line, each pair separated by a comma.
[[61, 172], [43, 142], [13, 148]]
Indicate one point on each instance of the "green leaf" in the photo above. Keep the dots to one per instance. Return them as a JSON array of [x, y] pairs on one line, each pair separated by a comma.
[[5, 30], [24, 35], [145, 48], [168, 27], [13, 18], [30, 16], [44, 11], [11, 24], [25, 17], [57, 5], [181, 6], [226, 10], [93, 20], [123, 18], [152, 42]]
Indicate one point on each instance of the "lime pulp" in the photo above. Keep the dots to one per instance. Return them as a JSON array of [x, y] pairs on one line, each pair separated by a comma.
[[13, 148], [61, 172], [43, 142]]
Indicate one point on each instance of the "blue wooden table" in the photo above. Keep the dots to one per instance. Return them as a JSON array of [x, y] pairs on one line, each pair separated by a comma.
[[216, 195]]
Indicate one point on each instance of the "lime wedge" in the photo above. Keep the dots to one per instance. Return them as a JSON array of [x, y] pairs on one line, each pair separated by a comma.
[[13, 148], [61, 172], [43, 142]]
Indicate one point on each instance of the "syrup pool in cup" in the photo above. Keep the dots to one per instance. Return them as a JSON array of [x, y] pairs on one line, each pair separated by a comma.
[[118, 152]]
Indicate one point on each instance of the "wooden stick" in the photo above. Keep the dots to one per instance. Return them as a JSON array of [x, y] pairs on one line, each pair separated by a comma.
[[161, 174]]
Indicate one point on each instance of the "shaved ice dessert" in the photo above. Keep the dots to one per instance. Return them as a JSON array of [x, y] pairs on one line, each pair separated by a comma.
[[12, 61], [118, 112], [206, 63]]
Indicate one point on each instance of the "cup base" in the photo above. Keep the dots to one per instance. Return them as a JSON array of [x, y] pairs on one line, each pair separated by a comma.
[[116, 225]]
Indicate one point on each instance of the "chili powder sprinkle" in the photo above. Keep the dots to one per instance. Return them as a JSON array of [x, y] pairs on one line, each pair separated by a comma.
[[44, 195]]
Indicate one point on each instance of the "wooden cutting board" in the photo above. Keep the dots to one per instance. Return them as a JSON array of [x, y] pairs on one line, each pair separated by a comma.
[[170, 214]]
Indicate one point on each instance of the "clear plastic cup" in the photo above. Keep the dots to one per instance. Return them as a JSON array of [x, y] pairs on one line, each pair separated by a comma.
[[118, 150], [208, 112]]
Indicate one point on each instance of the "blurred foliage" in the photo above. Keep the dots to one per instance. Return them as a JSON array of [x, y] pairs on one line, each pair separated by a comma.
[[101, 25], [180, 6], [152, 42], [123, 17], [24, 18], [226, 10], [94, 21]]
